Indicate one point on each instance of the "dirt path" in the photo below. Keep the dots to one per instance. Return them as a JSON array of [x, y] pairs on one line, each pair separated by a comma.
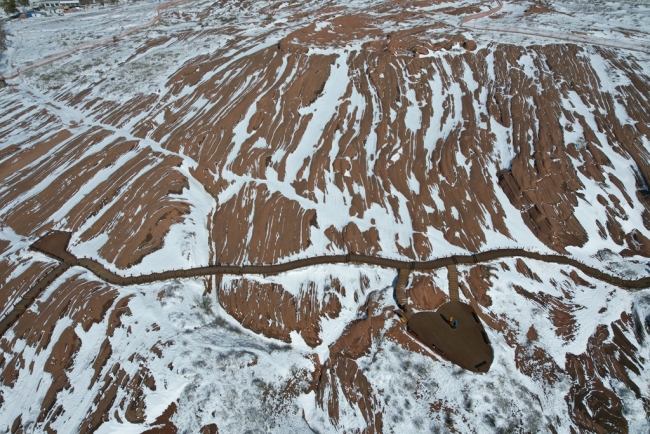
[[55, 246], [563, 37], [467, 19], [90, 45], [465, 22]]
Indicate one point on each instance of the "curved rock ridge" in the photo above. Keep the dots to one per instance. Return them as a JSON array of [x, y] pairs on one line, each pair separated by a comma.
[[408, 180]]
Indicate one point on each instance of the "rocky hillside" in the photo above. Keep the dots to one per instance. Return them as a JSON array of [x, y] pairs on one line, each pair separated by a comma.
[[239, 132]]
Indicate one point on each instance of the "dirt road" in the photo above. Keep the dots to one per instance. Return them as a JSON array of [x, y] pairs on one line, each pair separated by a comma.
[[465, 22], [566, 37], [90, 45]]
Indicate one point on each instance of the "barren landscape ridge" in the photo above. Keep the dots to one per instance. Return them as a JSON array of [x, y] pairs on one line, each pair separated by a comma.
[[322, 216]]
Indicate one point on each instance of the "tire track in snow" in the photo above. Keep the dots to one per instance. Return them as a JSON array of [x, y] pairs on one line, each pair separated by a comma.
[[546, 33], [90, 45]]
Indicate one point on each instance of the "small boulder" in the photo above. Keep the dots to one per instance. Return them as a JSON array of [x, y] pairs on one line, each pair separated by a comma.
[[469, 45]]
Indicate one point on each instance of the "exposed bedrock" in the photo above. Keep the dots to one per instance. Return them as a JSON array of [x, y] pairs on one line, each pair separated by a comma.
[[271, 310], [601, 377], [340, 383], [133, 200], [329, 139], [375, 151], [610, 358], [419, 143]]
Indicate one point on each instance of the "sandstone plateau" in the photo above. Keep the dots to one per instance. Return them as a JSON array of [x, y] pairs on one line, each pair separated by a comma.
[[259, 132]]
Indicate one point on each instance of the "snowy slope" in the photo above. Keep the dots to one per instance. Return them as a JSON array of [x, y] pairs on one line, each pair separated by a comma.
[[260, 132]]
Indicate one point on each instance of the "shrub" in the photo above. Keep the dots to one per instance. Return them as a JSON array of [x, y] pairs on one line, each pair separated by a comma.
[[205, 303], [9, 6]]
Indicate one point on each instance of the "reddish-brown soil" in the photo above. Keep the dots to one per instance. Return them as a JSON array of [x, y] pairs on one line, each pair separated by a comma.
[[592, 404], [135, 207], [339, 380], [538, 9], [268, 309], [423, 294]]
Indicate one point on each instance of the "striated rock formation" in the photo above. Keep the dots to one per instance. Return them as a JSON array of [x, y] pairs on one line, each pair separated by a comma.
[[260, 132], [269, 309]]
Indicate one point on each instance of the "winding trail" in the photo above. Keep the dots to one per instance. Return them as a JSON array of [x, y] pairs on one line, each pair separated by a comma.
[[465, 22], [55, 245], [467, 19], [90, 45], [353, 258]]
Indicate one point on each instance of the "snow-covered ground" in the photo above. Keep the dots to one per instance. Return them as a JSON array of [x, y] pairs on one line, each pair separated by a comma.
[[219, 372], [32, 39], [607, 23], [203, 360]]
